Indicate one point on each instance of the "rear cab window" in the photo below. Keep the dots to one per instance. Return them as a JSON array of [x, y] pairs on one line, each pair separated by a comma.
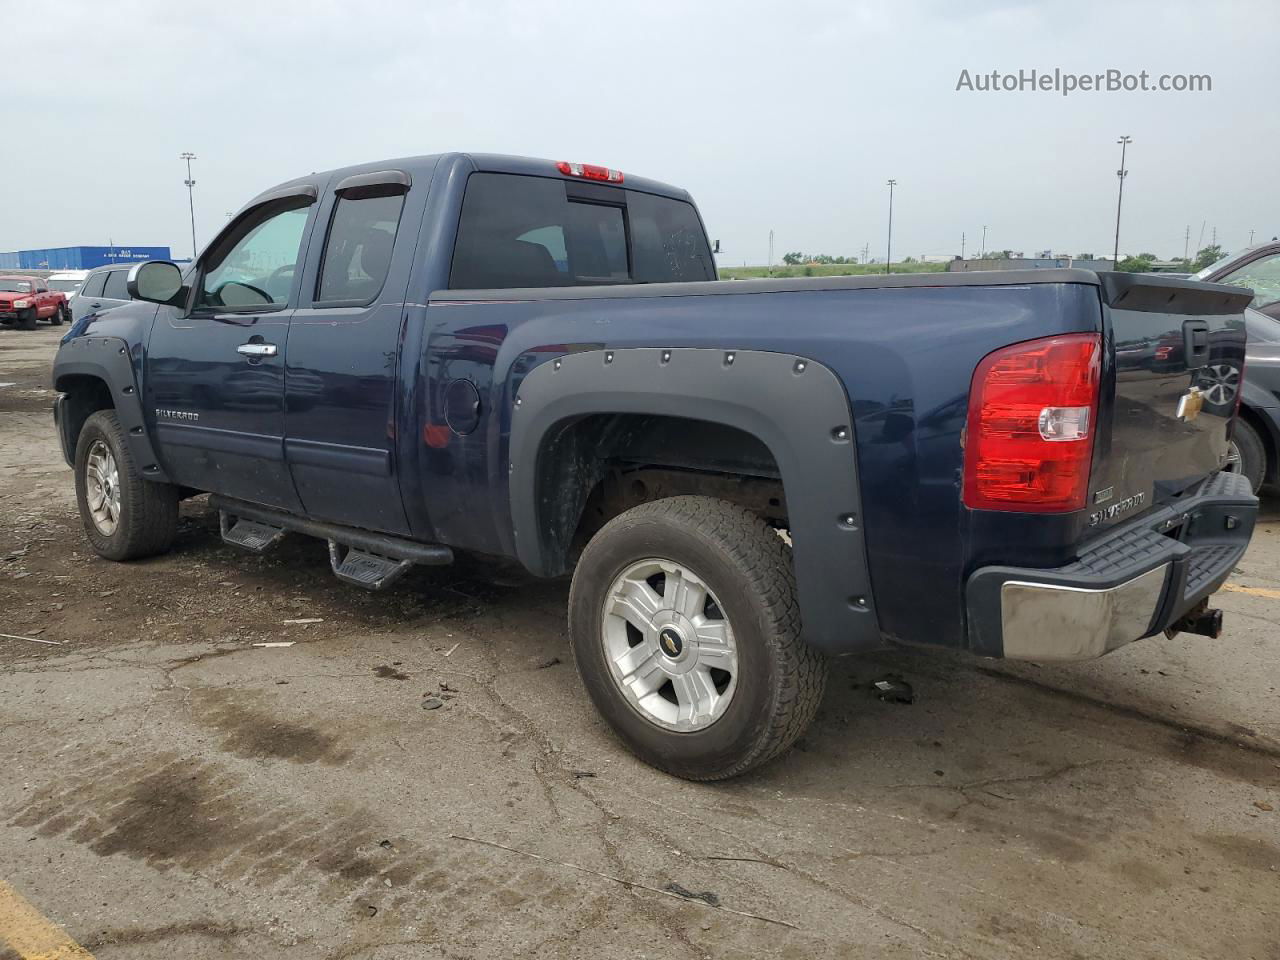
[[526, 231]]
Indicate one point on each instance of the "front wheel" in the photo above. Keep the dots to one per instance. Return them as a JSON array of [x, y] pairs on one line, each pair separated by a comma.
[[125, 517], [27, 320], [685, 628]]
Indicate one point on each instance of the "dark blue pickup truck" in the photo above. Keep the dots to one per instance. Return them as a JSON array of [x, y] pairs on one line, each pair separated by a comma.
[[534, 360]]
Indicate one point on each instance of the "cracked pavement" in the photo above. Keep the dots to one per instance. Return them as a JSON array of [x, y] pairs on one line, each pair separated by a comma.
[[173, 791]]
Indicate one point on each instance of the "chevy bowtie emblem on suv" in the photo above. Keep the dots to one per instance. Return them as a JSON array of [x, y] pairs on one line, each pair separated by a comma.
[[1190, 405]]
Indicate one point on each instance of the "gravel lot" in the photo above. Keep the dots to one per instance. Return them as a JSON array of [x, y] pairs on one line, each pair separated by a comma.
[[172, 790]]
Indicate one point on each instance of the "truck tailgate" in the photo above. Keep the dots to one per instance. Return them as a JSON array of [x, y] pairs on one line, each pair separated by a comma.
[[1173, 342]]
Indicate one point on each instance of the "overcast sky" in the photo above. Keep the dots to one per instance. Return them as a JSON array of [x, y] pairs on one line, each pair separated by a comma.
[[782, 116]]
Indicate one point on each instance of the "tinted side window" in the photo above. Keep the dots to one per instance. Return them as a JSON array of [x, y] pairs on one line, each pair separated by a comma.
[[254, 266], [357, 255], [116, 288], [93, 286]]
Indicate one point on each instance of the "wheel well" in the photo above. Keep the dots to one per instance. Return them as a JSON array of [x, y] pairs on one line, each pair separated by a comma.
[[591, 469], [86, 395]]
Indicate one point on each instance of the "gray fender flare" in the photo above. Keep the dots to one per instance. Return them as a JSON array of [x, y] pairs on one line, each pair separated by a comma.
[[108, 360], [795, 406]]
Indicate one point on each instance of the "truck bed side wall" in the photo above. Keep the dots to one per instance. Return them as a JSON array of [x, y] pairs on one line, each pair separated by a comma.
[[905, 356]]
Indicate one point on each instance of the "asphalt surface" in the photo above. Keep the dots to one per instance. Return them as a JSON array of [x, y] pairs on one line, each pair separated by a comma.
[[171, 790]]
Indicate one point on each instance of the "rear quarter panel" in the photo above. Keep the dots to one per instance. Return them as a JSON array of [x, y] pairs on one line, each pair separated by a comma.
[[905, 356]]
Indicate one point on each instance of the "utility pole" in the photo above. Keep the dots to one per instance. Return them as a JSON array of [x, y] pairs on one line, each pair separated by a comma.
[[1121, 174], [1251, 238], [961, 244], [1215, 237], [1186, 244], [771, 251], [983, 251], [191, 202], [888, 250]]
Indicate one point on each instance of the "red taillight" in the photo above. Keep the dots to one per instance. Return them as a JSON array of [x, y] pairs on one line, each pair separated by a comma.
[[1029, 439], [589, 171]]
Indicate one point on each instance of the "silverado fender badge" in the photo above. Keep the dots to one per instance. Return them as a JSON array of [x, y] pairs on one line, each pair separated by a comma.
[[1190, 404]]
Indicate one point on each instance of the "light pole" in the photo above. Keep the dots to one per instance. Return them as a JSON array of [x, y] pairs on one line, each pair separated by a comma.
[[888, 249], [191, 202], [983, 251], [1121, 174], [770, 251]]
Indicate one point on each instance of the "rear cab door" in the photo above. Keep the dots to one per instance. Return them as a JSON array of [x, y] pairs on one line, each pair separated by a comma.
[[341, 396]]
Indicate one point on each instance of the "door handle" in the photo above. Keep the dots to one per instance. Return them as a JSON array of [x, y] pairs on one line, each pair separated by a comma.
[[257, 350]]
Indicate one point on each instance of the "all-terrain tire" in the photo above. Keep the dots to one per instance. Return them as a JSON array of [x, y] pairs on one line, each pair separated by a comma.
[[747, 567], [27, 319], [148, 520]]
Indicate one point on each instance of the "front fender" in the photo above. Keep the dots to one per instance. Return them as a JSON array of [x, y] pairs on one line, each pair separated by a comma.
[[106, 359], [795, 406]]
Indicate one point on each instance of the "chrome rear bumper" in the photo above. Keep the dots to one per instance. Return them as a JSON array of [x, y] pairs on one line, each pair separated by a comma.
[[1133, 582]]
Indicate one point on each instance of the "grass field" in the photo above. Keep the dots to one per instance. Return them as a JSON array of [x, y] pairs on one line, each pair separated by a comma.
[[826, 270]]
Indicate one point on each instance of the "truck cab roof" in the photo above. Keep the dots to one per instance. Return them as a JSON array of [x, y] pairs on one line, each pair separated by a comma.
[[427, 165]]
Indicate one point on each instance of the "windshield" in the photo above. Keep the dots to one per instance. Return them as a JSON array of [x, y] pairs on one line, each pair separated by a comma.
[[1216, 266], [66, 286], [15, 286]]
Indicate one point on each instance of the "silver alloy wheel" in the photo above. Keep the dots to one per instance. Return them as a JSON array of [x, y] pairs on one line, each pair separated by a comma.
[[669, 646], [1220, 381], [102, 488]]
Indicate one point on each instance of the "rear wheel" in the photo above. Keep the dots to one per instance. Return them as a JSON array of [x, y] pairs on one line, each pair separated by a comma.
[[125, 517], [27, 319], [62, 313], [1246, 454], [685, 628]]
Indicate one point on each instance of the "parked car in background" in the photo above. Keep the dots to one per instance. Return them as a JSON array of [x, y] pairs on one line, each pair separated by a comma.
[[68, 282], [104, 289], [1255, 440], [25, 300], [1256, 267]]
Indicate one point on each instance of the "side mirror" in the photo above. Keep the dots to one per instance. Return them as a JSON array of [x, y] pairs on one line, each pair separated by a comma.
[[156, 281]]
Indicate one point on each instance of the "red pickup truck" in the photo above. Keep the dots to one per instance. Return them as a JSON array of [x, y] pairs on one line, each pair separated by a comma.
[[24, 300]]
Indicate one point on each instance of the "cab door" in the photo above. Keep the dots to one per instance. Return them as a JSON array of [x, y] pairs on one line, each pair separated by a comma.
[[215, 370], [341, 397]]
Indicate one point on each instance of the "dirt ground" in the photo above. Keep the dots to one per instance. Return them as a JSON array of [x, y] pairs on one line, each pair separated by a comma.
[[171, 790]]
